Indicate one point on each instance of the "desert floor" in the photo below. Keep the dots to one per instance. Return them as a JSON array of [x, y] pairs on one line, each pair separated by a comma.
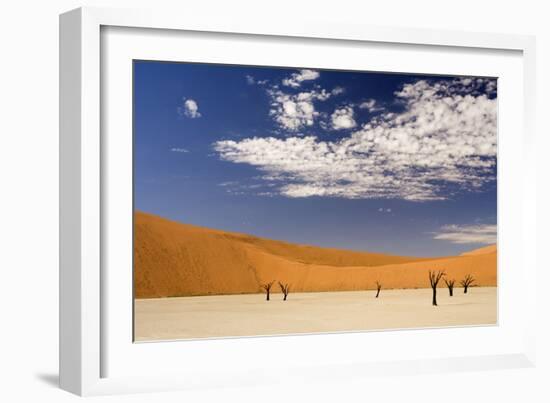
[[250, 314]]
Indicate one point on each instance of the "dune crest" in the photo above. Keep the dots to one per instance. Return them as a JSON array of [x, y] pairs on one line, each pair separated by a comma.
[[175, 259], [481, 251]]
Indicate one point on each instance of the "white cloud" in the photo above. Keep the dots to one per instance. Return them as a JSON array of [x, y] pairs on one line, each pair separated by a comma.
[[179, 150], [371, 105], [491, 87], [251, 80], [444, 140], [342, 118], [466, 234], [296, 79], [228, 183], [295, 111], [190, 109]]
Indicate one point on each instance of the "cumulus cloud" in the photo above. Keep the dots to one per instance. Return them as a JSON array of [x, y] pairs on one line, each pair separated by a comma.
[[296, 79], [292, 110], [295, 111], [444, 140], [342, 118], [466, 234], [190, 109], [371, 105]]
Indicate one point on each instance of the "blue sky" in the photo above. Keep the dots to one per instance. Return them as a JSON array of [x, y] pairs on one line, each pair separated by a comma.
[[396, 163]]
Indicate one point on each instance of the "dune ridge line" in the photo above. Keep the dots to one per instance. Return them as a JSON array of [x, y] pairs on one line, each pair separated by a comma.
[[173, 259]]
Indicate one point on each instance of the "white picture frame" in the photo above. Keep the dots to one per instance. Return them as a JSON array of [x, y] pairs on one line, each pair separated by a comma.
[[85, 347]]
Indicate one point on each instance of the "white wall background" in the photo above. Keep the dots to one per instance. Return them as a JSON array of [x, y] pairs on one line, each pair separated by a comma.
[[29, 197]]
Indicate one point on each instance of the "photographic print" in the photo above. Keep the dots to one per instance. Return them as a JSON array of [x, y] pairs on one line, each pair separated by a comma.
[[278, 200]]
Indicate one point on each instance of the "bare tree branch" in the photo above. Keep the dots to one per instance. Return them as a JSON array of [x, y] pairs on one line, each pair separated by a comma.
[[450, 285], [378, 288], [467, 282], [267, 288], [434, 280], [285, 288]]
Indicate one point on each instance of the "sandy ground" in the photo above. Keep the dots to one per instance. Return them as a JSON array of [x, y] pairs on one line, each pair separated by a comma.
[[250, 314]]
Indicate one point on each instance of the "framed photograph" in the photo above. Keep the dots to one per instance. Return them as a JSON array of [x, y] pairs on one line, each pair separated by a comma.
[[344, 197], [254, 221]]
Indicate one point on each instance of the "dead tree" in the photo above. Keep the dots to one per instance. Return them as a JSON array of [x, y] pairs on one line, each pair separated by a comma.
[[285, 288], [267, 288], [434, 280], [378, 288], [467, 282], [450, 285]]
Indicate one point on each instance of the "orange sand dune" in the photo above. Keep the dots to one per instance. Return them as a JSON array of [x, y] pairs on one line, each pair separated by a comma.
[[174, 259], [481, 251]]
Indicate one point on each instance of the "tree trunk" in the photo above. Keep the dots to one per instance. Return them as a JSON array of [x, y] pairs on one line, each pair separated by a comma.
[[267, 295], [434, 299], [284, 299], [377, 293], [465, 289], [450, 291]]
